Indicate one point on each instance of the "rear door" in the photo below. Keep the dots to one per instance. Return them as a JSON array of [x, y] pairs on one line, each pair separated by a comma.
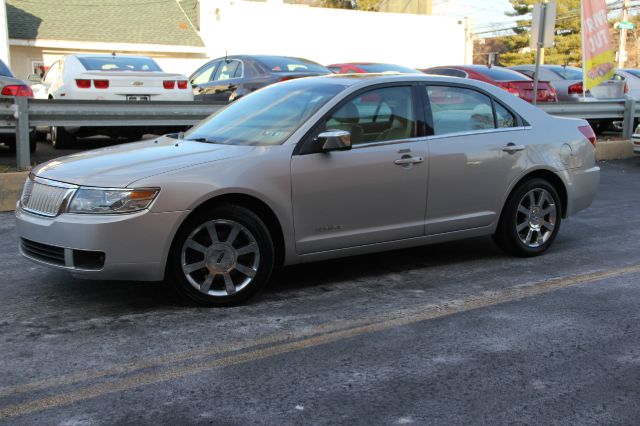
[[475, 153]]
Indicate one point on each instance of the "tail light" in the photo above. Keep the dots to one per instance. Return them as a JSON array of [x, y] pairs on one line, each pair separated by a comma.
[[626, 88], [510, 88], [588, 133], [575, 89], [554, 94], [169, 84], [101, 84], [183, 84], [83, 84], [17, 90], [286, 78]]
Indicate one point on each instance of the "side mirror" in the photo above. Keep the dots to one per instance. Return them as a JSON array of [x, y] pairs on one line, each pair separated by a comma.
[[34, 78], [335, 140]]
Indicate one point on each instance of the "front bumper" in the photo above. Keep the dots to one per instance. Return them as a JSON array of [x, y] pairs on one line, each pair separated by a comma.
[[134, 246]]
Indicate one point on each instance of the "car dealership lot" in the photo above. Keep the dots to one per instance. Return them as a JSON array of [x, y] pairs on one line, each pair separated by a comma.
[[451, 333]]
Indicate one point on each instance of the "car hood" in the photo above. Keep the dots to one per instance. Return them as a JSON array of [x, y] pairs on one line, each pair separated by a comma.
[[120, 166]]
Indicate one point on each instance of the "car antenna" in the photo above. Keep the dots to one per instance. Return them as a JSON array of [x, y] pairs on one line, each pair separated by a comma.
[[225, 56]]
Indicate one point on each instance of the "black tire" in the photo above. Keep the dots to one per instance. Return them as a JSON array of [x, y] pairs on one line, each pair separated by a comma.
[[33, 141], [41, 136], [251, 233], [61, 139], [516, 227]]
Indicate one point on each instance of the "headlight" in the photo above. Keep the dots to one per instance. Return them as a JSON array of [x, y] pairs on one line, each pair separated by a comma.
[[108, 200]]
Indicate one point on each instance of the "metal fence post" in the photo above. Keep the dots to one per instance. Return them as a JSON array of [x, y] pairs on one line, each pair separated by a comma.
[[22, 133], [629, 115]]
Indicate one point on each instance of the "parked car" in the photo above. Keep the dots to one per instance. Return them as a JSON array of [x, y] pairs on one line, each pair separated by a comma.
[[231, 77], [10, 87], [513, 82], [635, 138], [112, 78], [631, 77], [568, 83], [311, 169], [370, 67]]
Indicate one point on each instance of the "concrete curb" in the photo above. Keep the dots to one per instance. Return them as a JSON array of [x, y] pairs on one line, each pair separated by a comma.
[[10, 189], [614, 150]]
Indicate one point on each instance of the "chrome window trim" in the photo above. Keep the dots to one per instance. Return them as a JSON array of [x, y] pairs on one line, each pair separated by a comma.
[[479, 132], [388, 142]]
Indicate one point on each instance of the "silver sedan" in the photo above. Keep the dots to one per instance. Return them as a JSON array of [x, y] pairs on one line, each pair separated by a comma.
[[307, 170]]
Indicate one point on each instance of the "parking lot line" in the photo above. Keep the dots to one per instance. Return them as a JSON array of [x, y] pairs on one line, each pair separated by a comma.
[[275, 345]]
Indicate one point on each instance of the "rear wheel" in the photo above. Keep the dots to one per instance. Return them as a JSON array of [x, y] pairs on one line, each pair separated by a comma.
[[530, 219], [221, 257], [61, 139]]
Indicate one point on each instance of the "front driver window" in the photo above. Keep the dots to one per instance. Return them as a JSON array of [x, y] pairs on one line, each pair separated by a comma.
[[204, 76], [377, 115]]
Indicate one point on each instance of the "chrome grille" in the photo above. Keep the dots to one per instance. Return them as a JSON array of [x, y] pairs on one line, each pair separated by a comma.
[[45, 197]]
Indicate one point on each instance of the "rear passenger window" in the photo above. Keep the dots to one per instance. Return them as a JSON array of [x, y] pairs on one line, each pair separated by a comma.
[[504, 118], [455, 109]]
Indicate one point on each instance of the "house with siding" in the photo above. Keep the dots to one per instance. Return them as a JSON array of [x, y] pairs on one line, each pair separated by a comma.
[[42, 31]]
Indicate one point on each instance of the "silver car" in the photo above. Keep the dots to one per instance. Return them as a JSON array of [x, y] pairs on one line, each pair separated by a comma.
[[307, 170]]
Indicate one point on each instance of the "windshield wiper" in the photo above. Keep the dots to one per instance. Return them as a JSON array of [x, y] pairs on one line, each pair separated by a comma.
[[202, 139]]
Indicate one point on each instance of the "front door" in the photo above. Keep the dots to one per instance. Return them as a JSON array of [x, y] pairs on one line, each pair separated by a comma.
[[375, 192]]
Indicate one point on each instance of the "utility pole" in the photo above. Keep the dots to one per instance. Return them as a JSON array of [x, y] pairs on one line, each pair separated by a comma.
[[622, 48]]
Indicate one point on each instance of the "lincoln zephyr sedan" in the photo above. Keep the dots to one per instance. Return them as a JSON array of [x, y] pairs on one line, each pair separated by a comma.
[[307, 170]]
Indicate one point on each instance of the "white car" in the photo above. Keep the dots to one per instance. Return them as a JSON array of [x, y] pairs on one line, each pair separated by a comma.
[[112, 78]]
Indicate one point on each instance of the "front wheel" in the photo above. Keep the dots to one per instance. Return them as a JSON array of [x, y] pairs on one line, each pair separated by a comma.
[[530, 219], [222, 256]]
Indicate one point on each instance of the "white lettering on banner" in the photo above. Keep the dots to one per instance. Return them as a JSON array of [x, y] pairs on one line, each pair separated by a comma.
[[597, 40], [598, 20]]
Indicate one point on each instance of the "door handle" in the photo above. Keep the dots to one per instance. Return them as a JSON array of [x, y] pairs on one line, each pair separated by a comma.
[[512, 148], [408, 160]]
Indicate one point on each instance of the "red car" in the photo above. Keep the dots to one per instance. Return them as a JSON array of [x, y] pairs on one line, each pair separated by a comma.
[[370, 67], [511, 81]]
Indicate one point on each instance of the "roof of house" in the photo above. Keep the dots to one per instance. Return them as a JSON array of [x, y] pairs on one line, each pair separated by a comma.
[[106, 21]]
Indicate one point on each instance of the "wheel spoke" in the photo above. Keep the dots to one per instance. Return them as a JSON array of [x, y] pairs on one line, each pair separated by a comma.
[[549, 210], [233, 234], [246, 270], [548, 225], [213, 234], [522, 209], [195, 246], [543, 196], [192, 267], [206, 284], [522, 226], [529, 235], [228, 284], [250, 248], [532, 200]]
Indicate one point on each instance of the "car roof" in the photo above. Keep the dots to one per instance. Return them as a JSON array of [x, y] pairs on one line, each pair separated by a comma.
[[364, 78], [107, 55]]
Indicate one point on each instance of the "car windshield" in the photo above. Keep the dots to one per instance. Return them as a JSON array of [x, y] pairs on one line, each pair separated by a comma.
[[387, 68], [568, 73], [266, 117], [285, 64], [119, 63], [502, 74], [4, 70]]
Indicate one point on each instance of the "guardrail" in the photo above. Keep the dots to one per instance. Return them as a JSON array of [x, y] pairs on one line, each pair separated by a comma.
[[24, 113]]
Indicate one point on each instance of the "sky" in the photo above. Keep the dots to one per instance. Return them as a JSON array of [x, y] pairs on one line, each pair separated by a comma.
[[489, 15]]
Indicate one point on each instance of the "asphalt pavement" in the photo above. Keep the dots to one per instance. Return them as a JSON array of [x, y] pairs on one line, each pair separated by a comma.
[[455, 333]]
